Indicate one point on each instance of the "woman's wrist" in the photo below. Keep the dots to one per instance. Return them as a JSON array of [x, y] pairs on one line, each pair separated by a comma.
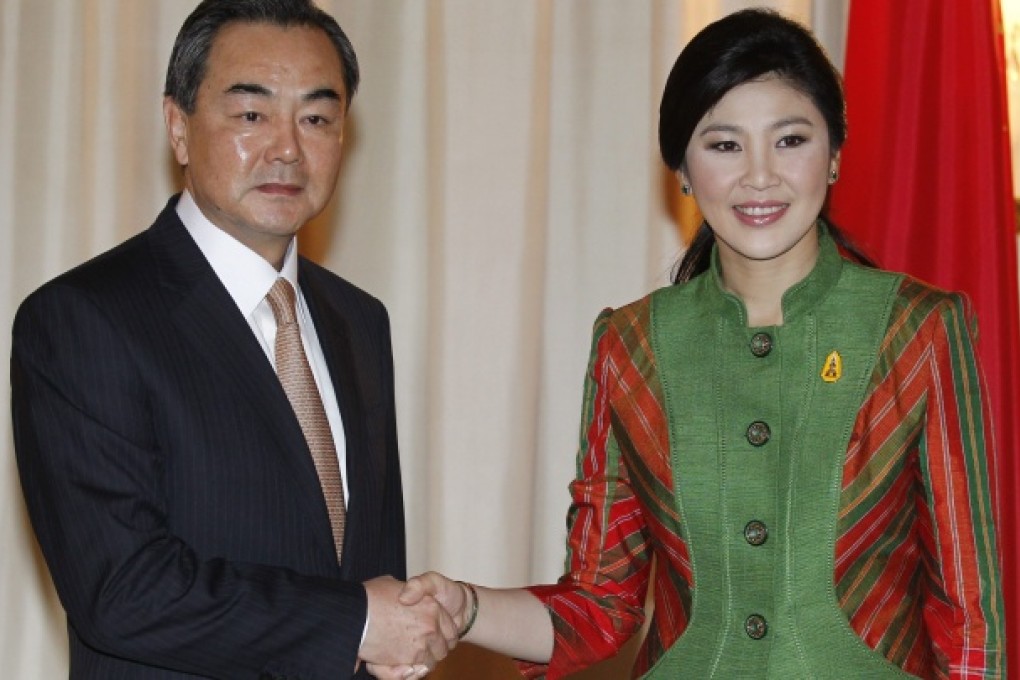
[[469, 613]]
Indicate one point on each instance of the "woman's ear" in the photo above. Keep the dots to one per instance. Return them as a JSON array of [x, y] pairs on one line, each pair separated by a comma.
[[834, 165], [685, 185]]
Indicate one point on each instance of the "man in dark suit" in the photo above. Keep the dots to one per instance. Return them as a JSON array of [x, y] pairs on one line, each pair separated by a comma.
[[204, 421]]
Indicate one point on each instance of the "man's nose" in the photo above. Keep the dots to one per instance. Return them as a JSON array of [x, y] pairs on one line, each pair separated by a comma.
[[285, 146]]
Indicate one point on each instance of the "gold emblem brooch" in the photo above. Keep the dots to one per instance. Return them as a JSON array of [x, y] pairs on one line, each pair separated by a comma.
[[832, 369]]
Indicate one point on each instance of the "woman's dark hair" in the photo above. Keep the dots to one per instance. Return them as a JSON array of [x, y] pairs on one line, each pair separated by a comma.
[[194, 41], [741, 47]]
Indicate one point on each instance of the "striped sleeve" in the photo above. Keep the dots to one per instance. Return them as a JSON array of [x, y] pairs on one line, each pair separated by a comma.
[[917, 570], [965, 619], [598, 604]]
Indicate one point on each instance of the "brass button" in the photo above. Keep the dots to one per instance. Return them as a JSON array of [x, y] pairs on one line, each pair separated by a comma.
[[758, 433], [761, 344], [756, 626], [755, 532]]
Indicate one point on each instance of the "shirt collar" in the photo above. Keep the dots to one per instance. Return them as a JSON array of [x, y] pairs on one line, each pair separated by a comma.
[[245, 274]]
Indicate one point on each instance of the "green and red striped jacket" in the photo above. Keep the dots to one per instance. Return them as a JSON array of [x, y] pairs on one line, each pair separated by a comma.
[[913, 561]]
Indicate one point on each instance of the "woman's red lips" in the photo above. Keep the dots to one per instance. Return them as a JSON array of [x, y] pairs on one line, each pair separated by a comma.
[[760, 214]]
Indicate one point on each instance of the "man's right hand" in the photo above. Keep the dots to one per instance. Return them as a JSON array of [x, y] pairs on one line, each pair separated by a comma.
[[421, 634]]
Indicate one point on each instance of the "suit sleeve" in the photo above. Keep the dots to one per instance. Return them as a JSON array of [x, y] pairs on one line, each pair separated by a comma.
[[92, 473], [393, 531], [965, 616]]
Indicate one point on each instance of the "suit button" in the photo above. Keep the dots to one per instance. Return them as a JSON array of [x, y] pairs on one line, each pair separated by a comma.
[[761, 344], [756, 627], [755, 532], [758, 433]]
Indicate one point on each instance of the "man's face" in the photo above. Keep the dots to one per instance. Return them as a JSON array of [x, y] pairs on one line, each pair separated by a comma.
[[262, 148]]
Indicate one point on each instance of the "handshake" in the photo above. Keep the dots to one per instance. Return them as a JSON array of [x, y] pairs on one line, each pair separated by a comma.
[[412, 626]]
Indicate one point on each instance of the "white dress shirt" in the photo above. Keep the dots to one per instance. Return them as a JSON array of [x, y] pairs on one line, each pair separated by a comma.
[[248, 277]]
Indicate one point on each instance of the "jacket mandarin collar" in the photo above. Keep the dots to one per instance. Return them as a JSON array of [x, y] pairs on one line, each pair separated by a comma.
[[799, 300]]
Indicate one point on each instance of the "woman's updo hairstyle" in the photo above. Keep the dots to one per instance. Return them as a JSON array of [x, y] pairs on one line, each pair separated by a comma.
[[738, 48]]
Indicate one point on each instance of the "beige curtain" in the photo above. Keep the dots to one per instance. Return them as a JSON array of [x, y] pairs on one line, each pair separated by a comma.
[[501, 185]]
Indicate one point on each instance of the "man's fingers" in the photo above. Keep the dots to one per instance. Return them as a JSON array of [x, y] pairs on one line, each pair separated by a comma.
[[449, 628], [402, 672], [436, 652]]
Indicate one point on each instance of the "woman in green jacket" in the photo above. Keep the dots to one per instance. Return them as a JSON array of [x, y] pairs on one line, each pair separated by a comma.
[[788, 446]]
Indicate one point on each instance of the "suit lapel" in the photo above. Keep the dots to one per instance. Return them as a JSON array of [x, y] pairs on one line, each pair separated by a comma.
[[222, 340]]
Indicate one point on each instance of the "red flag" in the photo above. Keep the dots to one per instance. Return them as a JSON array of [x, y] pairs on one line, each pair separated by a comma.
[[925, 188]]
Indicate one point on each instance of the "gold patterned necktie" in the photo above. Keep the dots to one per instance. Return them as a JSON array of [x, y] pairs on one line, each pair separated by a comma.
[[299, 384]]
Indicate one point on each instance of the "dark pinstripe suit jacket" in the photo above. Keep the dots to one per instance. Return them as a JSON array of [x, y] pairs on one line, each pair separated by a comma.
[[167, 478]]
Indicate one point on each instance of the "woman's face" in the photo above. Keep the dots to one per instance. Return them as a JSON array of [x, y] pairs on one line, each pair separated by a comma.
[[758, 164]]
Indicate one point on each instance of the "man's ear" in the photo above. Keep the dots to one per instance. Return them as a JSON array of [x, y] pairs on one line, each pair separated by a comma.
[[176, 129]]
